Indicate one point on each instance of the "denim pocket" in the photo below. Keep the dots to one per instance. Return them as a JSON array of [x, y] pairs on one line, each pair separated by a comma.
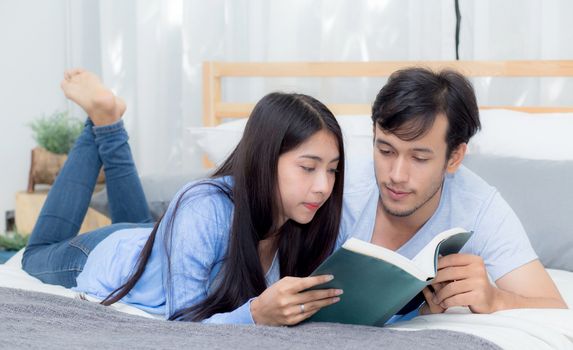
[[86, 242], [78, 242]]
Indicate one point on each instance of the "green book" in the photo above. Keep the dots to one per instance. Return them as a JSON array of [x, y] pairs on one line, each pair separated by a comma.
[[379, 282]]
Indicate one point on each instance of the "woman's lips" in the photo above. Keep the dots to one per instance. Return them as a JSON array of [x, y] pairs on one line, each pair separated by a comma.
[[312, 206]]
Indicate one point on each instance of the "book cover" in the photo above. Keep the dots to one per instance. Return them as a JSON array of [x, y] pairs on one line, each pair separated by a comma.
[[379, 282]]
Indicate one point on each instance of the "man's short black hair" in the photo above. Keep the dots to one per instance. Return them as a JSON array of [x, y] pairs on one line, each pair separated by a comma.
[[409, 103]]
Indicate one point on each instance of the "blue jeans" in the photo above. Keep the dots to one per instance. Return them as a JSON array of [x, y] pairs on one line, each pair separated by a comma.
[[56, 254]]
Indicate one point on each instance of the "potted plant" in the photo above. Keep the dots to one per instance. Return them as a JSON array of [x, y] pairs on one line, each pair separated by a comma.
[[10, 243], [55, 135]]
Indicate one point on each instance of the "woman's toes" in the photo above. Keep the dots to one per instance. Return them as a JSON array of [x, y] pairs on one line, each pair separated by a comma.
[[70, 73], [86, 89]]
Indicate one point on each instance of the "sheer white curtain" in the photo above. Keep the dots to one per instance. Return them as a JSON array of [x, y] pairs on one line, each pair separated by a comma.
[[519, 30], [151, 53]]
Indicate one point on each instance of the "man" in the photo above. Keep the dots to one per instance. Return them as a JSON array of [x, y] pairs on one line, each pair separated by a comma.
[[422, 124]]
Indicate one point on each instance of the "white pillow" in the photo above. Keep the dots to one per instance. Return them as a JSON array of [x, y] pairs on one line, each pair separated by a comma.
[[218, 142], [504, 133], [358, 136], [524, 135], [564, 282]]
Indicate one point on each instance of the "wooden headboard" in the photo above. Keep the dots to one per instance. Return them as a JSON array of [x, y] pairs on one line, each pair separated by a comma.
[[215, 108]]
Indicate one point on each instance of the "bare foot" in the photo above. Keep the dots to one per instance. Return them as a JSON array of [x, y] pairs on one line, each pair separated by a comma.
[[85, 89]]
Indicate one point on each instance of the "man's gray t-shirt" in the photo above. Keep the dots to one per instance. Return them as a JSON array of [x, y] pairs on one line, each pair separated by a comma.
[[466, 201]]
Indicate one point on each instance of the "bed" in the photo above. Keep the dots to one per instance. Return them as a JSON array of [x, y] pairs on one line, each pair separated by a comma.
[[508, 160]]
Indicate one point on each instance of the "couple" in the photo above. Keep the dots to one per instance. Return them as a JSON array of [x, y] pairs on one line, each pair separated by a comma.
[[237, 247]]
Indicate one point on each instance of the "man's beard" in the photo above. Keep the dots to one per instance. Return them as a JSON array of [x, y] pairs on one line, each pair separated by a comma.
[[411, 211]]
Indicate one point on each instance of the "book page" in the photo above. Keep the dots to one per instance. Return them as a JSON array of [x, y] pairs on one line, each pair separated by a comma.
[[426, 259], [381, 253]]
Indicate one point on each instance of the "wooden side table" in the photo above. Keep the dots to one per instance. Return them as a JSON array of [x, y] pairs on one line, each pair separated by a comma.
[[28, 206]]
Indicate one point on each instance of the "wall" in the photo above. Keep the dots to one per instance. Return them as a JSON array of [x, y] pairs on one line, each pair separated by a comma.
[[34, 37]]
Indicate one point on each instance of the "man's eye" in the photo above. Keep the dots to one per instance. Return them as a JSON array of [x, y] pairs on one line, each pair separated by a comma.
[[420, 160]]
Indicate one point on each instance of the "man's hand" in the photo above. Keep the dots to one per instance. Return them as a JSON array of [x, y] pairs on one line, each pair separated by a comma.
[[462, 280], [430, 307]]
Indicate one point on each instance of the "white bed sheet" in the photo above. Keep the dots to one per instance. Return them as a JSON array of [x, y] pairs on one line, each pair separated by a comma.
[[12, 276], [511, 329]]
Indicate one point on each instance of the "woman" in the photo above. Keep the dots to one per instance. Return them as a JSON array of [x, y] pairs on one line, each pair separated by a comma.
[[224, 249]]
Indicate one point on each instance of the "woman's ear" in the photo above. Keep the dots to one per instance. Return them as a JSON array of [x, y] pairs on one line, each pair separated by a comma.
[[456, 158]]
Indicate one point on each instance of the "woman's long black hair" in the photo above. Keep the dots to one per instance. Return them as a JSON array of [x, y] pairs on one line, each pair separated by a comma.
[[279, 123]]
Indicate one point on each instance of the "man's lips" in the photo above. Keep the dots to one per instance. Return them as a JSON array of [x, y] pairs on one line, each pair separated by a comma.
[[312, 206], [395, 194]]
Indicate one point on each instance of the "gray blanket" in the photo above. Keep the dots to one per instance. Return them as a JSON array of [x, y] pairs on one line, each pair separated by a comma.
[[37, 320]]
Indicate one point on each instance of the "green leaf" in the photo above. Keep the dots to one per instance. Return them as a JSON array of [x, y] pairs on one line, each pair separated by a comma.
[[57, 132], [13, 241]]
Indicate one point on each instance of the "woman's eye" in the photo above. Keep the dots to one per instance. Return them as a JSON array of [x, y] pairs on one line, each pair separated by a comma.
[[307, 169], [333, 170]]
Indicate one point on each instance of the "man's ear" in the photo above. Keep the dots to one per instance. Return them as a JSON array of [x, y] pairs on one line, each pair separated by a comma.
[[456, 158]]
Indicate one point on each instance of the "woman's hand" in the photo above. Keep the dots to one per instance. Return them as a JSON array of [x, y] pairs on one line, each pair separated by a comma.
[[285, 303]]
